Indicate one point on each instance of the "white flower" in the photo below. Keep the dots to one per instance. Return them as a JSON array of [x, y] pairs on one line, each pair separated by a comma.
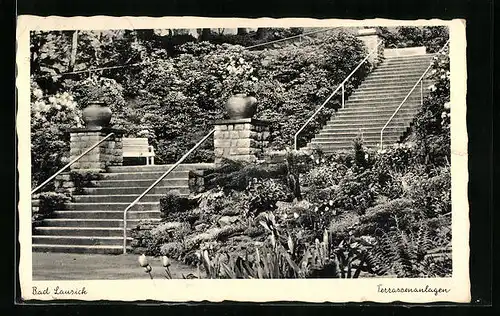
[[444, 115], [143, 260], [295, 215], [447, 105], [165, 261]]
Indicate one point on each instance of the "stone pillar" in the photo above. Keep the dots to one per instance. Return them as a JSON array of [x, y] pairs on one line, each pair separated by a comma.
[[240, 139], [107, 153], [371, 38]]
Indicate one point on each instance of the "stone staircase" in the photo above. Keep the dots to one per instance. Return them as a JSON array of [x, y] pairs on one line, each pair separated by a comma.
[[367, 110], [93, 221]]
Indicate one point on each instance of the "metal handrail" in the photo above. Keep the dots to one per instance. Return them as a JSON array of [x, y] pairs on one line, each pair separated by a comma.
[[334, 92], [71, 162], [408, 95], [154, 184]]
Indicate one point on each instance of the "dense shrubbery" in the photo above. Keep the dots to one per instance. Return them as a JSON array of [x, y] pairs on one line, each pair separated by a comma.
[[432, 37]]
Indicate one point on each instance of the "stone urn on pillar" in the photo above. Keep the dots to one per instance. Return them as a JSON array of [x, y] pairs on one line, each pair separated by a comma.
[[241, 106], [96, 115]]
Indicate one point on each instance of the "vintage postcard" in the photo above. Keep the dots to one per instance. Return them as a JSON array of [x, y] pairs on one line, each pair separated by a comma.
[[216, 159]]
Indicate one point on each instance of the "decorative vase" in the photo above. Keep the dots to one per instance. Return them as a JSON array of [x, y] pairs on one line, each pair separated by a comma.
[[97, 114], [241, 106]]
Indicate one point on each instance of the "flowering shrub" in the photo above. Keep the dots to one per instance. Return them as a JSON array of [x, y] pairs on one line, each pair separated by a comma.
[[51, 115], [432, 125]]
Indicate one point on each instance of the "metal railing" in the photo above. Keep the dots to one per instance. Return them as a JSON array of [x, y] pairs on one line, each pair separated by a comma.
[[70, 163], [420, 80], [155, 183], [341, 86]]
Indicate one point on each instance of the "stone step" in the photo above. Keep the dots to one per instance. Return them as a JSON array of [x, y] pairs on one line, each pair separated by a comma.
[[408, 59], [118, 215], [347, 146], [122, 198], [380, 94], [79, 240], [389, 84], [390, 81], [79, 222], [79, 231], [353, 129], [153, 175], [381, 111], [141, 206], [396, 88], [347, 121], [384, 68], [380, 103], [116, 190], [160, 168], [345, 138], [399, 96], [174, 184], [341, 125], [96, 249], [366, 115], [392, 75]]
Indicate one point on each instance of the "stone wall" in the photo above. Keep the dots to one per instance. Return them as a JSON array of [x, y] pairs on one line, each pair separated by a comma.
[[242, 139], [107, 153]]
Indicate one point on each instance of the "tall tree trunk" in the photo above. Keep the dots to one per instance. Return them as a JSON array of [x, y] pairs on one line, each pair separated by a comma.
[[74, 46]]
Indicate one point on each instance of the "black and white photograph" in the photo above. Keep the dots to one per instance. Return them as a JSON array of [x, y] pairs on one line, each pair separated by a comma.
[[311, 152]]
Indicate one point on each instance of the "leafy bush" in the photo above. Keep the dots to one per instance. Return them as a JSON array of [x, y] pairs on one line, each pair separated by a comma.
[[432, 192], [234, 175], [432, 37], [48, 202], [151, 240], [264, 193], [83, 180], [51, 201], [173, 203]]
